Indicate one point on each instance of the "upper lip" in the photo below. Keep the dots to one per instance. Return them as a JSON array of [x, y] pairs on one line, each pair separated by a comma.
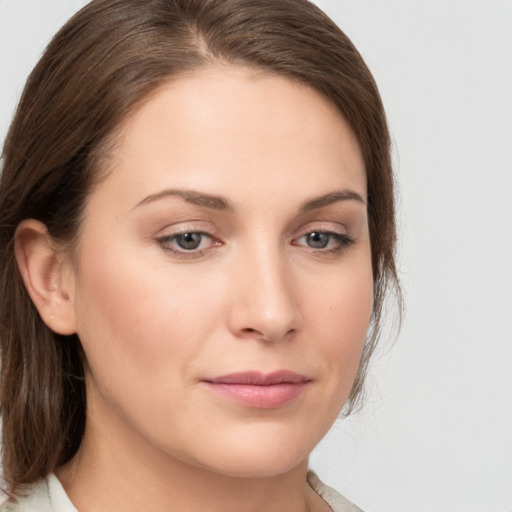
[[256, 378]]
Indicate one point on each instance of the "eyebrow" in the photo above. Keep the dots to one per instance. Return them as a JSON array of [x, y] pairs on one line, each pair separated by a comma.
[[223, 204], [328, 199], [192, 196]]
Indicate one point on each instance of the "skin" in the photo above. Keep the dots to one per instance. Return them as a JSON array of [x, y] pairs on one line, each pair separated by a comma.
[[258, 293]]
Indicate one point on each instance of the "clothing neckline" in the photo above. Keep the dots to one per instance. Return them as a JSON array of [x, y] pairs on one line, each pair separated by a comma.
[[49, 495]]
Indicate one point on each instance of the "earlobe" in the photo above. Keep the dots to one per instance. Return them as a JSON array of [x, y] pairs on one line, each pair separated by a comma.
[[44, 272]]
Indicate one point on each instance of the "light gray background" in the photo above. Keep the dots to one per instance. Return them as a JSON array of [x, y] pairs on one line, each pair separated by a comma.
[[436, 432]]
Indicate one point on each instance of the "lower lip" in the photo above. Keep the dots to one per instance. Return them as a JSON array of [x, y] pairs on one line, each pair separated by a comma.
[[269, 396]]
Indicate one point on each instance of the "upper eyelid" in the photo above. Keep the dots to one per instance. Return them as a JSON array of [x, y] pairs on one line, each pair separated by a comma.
[[322, 226], [212, 228], [191, 226]]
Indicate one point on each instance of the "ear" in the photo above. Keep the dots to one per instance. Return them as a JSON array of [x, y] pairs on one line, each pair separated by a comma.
[[48, 276]]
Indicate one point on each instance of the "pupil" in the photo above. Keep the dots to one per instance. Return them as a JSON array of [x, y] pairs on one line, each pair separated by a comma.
[[189, 241], [318, 240]]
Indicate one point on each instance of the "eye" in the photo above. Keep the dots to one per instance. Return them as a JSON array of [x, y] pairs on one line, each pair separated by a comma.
[[317, 240], [325, 241], [191, 243]]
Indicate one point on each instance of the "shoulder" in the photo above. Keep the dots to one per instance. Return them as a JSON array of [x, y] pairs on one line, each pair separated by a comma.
[[334, 499], [46, 495], [34, 497]]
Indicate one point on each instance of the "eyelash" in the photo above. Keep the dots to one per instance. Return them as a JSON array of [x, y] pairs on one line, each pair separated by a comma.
[[342, 241]]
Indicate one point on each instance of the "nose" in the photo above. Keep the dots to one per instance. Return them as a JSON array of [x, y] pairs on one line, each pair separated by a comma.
[[265, 303]]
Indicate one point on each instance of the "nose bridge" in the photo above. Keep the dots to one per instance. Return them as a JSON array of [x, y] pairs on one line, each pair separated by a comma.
[[265, 304]]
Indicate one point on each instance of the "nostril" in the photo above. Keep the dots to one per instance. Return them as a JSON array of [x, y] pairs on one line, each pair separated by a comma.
[[267, 336], [250, 332]]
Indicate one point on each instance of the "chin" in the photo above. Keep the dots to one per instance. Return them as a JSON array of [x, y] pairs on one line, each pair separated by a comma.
[[257, 452], [248, 465]]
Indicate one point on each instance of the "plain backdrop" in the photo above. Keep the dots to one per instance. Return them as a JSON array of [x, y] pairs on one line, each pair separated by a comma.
[[436, 431]]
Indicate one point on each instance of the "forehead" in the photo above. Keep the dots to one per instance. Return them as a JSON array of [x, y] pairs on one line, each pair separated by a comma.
[[236, 131]]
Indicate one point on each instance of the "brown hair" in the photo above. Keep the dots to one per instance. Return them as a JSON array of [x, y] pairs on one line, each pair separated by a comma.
[[107, 59]]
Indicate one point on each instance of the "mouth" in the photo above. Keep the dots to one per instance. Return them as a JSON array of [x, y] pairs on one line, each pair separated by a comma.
[[258, 390]]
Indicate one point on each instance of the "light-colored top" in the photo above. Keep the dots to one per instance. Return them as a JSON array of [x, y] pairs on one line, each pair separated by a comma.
[[49, 496], [45, 496]]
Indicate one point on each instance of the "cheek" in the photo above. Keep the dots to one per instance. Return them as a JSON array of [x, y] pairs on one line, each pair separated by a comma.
[[342, 306], [136, 321], [340, 314]]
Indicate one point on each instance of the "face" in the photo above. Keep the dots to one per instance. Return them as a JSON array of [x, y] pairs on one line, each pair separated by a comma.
[[222, 280]]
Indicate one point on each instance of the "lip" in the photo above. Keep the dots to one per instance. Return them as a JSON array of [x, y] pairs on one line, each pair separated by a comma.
[[259, 390]]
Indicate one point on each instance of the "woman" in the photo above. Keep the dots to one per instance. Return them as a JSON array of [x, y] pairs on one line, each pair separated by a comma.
[[197, 234]]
